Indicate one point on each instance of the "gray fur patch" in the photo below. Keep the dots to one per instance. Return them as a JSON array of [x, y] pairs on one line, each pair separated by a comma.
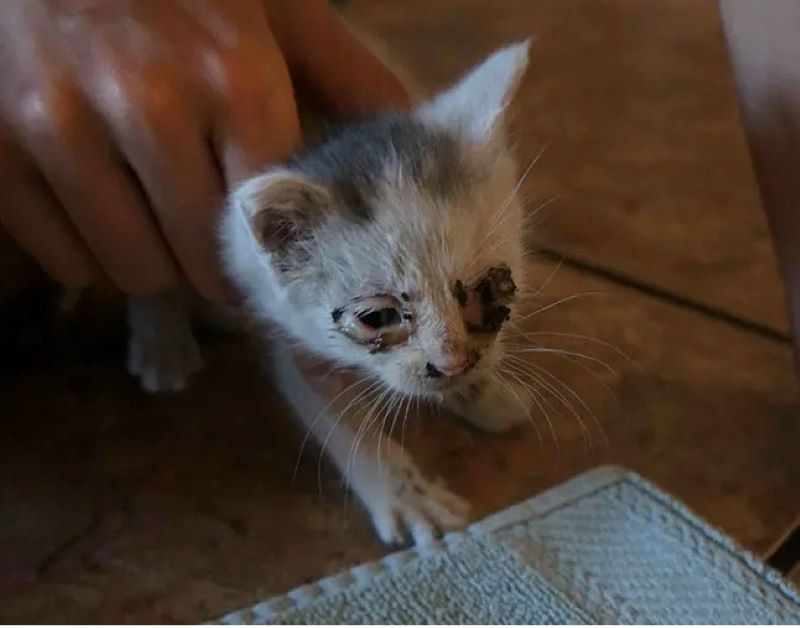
[[354, 160]]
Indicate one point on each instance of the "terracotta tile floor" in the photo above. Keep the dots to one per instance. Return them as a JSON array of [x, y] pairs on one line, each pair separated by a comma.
[[119, 507]]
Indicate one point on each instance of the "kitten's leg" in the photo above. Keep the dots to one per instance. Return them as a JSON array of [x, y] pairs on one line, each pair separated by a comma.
[[400, 500], [162, 351], [493, 407]]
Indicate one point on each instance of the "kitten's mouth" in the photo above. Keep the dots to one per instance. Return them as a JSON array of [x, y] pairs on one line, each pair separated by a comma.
[[434, 390], [451, 385]]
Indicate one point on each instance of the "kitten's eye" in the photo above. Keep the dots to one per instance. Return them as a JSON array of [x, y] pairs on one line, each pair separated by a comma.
[[379, 321], [376, 319]]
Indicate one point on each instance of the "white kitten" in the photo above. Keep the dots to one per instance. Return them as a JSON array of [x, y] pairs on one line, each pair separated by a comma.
[[394, 248]]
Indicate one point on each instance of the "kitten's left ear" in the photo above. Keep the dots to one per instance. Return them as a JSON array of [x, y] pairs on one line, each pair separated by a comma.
[[279, 207], [474, 106]]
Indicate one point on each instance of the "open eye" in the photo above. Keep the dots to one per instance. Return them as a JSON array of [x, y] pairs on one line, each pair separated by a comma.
[[379, 321]]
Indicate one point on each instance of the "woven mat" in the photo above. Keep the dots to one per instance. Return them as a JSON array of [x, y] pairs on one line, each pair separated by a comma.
[[606, 547]]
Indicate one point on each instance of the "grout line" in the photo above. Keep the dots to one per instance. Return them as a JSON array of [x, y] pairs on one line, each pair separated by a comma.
[[664, 295], [785, 553], [787, 556], [794, 575]]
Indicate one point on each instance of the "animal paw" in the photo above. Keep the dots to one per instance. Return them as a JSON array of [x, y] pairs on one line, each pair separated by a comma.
[[410, 507], [163, 364]]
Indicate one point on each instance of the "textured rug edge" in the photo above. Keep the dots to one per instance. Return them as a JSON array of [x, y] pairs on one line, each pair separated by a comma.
[[555, 497], [550, 499], [716, 535], [559, 496]]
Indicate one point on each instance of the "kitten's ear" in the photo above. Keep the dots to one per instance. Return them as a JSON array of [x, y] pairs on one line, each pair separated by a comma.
[[279, 206], [474, 106]]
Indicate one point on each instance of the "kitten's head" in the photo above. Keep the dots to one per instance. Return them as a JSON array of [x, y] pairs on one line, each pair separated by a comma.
[[395, 246]]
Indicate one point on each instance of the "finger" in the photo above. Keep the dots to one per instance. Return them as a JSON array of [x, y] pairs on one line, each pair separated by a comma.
[[101, 199], [31, 216], [167, 149], [256, 122], [334, 65]]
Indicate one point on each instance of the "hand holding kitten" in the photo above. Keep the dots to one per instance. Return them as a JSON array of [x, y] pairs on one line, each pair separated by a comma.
[[123, 124]]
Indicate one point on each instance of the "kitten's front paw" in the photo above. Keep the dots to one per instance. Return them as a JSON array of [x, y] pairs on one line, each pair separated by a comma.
[[164, 364], [411, 506]]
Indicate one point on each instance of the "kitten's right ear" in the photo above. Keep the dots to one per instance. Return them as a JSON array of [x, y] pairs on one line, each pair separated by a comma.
[[279, 206], [475, 105]]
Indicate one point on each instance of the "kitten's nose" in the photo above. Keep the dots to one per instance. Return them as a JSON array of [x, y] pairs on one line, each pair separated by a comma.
[[451, 365]]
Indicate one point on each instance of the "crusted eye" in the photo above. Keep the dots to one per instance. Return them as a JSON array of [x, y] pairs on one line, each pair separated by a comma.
[[379, 321], [486, 305]]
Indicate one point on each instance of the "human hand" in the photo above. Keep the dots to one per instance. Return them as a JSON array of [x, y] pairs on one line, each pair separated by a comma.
[[123, 123]]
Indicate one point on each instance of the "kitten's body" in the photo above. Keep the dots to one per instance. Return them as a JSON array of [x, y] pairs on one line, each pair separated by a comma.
[[393, 249]]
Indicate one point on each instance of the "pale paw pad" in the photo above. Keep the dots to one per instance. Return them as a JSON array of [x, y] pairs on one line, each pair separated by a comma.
[[163, 366]]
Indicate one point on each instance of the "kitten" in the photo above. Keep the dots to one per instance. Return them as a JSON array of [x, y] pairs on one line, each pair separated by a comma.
[[395, 249]]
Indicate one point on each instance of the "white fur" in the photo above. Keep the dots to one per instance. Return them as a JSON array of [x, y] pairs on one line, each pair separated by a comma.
[[475, 105], [437, 245], [414, 243]]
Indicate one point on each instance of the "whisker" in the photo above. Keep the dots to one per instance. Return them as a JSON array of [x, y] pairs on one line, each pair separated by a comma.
[[571, 391], [368, 392], [377, 425], [542, 402], [541, 206], [561, 334], [403, 422], [543, 286], [313, 423], [596, 376], [550, 306], [514, 234], [331, 371], [562, 352], [585, 433], [531, 388], [417, 412], [391, 410], [538, 399], [523, 404], [405, 401], [498, 214], [364, 423], [376, 398]]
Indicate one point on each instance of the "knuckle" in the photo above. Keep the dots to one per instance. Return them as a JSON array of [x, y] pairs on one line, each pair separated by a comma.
[[253, 78], [145, 106], [271, 110], [249, 78], [50, 113], [234, 66]]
